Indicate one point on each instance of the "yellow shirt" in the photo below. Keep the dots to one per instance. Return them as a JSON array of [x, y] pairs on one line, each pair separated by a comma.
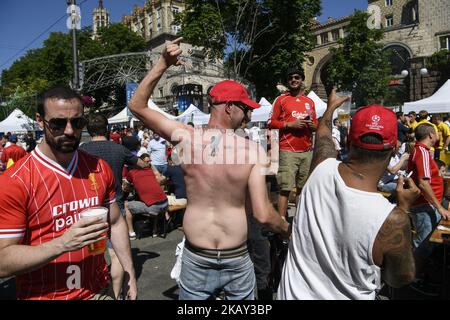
[[426, 121], [435, 128], [414, 124], [444, 133]]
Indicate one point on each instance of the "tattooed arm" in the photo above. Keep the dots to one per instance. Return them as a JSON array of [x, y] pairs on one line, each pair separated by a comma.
[[324, 146], [394, 239], [392, 249]]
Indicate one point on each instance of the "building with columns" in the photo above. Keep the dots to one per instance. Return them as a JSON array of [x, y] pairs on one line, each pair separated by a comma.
[[414, 30]]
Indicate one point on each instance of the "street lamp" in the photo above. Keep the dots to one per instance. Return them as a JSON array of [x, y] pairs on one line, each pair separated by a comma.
[[73, 24], [422, 72]]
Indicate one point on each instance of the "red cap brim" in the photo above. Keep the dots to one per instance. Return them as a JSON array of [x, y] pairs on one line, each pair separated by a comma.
[[252, 104]]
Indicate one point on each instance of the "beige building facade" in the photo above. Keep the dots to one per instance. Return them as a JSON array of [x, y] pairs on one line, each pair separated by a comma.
[[414, 30], [154, 22], [326, 35]]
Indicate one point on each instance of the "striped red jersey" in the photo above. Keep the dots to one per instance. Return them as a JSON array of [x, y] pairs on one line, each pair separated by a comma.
[[287, 108], [423, 166], [39, 201]]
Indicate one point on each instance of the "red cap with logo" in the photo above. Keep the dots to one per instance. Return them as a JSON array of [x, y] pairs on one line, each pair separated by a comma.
[[230, 90], [374, 119]]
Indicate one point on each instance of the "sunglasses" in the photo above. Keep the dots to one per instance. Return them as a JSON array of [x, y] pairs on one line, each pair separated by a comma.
[[244, 109], [59, 124], [294, 77]]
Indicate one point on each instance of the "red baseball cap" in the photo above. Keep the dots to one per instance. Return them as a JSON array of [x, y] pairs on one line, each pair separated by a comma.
[[229, 90], [374, 119]]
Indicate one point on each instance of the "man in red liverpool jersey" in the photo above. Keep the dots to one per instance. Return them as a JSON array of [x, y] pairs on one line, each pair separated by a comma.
[[294, 115], [43, 240]]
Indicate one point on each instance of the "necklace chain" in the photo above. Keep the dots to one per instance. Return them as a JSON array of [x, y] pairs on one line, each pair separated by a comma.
[[362, 176]]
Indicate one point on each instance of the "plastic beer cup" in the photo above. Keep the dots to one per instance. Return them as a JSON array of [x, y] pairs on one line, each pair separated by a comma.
[[99, 246], [343, 112]]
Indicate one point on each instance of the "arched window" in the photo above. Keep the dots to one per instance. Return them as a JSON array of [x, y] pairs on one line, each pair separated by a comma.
[[173, 88], [399, 56]]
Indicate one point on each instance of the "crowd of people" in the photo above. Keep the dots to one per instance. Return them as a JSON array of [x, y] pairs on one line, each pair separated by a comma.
[[359, 188]]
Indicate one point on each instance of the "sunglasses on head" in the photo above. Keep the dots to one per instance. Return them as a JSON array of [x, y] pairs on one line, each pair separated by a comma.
[[294, 77], [58, 124]]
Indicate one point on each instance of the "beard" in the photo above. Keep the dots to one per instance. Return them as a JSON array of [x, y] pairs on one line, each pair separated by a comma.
[[63, 144]]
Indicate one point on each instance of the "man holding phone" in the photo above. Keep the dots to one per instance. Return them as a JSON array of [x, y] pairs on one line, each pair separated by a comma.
[[294, 115]]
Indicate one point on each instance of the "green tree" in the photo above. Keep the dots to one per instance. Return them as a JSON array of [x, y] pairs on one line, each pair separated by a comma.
[[259, 39], [42, 68], [117, 38], [359, 64]]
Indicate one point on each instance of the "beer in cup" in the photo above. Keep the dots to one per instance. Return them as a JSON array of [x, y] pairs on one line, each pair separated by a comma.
[[343, 112], [99, 246]]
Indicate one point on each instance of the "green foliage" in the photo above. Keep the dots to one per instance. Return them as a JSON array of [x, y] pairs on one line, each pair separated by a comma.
[[440, 61], [359, 64], [259, 39], [117, 39], [201, 25], [50, 65]]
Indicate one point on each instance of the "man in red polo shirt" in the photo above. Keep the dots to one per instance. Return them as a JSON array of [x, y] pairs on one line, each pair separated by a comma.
[[294, 115], [152, 199], [427, 211]]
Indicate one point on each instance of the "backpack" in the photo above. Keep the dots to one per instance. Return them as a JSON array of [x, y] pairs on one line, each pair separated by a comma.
[[143, 227]]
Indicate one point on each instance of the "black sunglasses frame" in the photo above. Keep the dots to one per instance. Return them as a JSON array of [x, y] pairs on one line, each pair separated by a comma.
[[59, 124], [295, 78], [244, 109]]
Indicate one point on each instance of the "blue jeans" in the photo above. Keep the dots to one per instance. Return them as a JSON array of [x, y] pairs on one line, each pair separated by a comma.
[[162, 168], [139, 207], [425, 218], [201, 277]]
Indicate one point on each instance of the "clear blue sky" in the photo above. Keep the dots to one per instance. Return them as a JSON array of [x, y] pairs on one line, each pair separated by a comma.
[[27, 23]]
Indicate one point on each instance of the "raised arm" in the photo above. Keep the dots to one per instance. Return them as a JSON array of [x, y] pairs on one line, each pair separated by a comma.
[[324, 146], [152, 119]]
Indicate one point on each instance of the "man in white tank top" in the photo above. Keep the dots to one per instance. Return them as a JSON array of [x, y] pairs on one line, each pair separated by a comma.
[[346, 237]]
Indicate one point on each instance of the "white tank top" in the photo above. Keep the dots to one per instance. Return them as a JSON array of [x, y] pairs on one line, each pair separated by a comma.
[[334, 229]]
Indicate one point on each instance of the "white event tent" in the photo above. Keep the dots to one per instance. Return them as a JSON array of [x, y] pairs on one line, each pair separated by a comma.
[[18, 121], [125, 116], [319, 105], [262, 114], [439, 102], [194, 115], [121, 117]]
